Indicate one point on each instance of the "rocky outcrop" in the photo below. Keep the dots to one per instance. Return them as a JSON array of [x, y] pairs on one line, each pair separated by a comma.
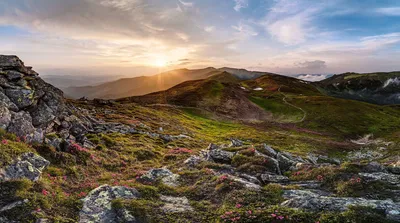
[[97, 206], [308, 200], [28, 165], [30, 107]]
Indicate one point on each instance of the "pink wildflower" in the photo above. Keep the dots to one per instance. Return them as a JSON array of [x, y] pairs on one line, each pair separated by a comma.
[[238, 205], [45, 192], [4, 141], [273, 215]]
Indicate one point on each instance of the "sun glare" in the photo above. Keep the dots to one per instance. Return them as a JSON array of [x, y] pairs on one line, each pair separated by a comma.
[[160, 63]]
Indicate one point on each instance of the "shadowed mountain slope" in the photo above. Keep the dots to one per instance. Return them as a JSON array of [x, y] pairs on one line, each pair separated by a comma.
[[377, 88]]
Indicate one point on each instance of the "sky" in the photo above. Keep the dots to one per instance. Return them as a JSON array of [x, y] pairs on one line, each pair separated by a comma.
[[134, 37]]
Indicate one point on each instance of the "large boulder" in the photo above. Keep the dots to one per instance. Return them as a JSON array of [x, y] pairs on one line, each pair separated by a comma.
[[97, 206], [42, 114], [28, 165], [23, 98], [21, 124]]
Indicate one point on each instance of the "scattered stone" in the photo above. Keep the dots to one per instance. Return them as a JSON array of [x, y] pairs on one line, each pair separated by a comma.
[[193, 161], [314, 202], [374, 167], [383, 177], [245, 183], [159, 174], [171, 180], [28, 165], [175, 204], [13, 205], [394, 168], [97, 205], [269, 151], [218, 155], [285, 163], [271, 178], [236, 143]]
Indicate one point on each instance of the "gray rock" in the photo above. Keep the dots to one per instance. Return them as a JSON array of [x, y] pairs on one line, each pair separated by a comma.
[[171, 180], [13, 205], [193, 161], [247, 184], [21, 124], [374, 167], [175, 204], [271, 178], [271, 164], [8, 103], [42, 114], [13, 75], [5, 116], [383, 177], [250, 178], [10, 62], [236, 143], [308, 200], [29, 166], [269, 151], [156, 174], [23, 98], [394, 168], [285, 163], [97, 205], [218, 155]]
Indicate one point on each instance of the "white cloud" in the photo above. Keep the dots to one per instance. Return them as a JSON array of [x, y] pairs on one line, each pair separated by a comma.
[[243, 30], [239, 4], [209, 29], [312, 77], [291, 21], [390, 11]]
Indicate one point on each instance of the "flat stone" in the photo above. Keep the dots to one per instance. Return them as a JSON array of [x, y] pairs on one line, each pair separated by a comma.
[[28, 165], [308, 200], [175, 204], [97, 204]]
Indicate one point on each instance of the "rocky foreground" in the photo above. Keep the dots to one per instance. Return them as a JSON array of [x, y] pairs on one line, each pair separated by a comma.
[[65, 161]]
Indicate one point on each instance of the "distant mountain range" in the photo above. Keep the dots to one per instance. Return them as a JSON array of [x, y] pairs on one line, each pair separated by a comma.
[[378, 88], [146, 84]]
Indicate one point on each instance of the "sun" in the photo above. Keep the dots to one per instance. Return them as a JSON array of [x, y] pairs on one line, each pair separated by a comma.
[[160, 63]]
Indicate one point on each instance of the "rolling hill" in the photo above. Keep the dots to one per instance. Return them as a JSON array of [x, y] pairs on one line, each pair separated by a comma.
[[278, 99]]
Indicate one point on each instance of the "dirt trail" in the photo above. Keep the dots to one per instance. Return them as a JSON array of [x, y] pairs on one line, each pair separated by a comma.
[[294, 106]]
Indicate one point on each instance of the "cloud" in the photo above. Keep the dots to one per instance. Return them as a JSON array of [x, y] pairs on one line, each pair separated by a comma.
[[312, 65], [390, 11], [240, 4], [209, 29], [289, 22], [312, 77], [244, 30]]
